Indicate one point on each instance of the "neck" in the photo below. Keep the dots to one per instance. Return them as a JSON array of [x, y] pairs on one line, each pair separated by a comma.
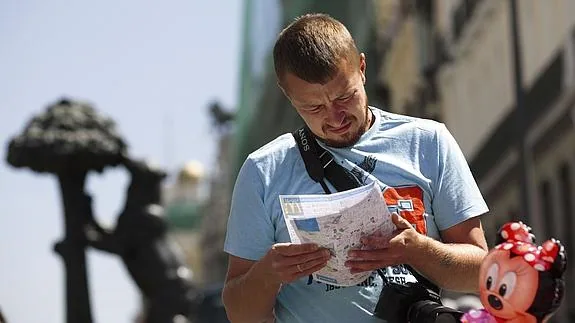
[[370, 119]]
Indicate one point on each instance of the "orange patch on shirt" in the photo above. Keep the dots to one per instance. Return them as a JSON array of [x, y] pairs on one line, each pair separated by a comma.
[[408, 201]]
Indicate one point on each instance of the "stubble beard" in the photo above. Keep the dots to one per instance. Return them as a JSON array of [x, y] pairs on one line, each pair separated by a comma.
[[350, 139]]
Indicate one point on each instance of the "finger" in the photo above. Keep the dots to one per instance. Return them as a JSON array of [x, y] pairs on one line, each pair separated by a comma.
[[292, 249], [322, 254], [304, 267], [400, 222], [375, 242], [312, 269]]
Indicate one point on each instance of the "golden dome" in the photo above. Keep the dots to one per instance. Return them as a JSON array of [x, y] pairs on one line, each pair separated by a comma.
[[191, 172]]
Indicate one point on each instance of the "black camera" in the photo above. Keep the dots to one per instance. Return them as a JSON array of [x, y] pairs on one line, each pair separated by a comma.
[[412, 302]]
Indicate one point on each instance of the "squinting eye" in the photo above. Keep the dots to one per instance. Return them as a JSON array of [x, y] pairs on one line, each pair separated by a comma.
[[345, 98]]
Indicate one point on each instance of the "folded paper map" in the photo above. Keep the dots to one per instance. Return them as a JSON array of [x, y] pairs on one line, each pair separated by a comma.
[[337, 222]]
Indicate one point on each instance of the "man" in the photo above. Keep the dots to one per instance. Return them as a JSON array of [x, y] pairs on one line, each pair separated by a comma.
[[424, 174]]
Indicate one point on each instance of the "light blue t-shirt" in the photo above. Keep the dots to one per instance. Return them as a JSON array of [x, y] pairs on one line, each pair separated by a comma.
[[424, 177]]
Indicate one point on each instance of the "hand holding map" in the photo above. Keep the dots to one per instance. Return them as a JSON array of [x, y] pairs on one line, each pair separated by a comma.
[[337, 222]]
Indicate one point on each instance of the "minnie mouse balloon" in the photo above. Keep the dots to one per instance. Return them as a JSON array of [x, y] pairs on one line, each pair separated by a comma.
[[520, 282]]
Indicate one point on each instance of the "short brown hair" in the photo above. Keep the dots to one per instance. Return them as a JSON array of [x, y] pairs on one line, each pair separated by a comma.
[[312, 47]]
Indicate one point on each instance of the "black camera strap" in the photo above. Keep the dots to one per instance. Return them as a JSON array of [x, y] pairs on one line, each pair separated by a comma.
[[320, 165]]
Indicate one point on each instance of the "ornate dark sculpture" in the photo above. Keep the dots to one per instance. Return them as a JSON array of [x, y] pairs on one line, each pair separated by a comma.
[[69, 140], [140, 239]]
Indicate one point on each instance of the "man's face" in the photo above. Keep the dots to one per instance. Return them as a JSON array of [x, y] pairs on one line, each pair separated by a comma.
[[336, 112]]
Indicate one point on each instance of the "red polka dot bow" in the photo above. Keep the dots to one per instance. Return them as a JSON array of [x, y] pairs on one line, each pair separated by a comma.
[[519, 241]]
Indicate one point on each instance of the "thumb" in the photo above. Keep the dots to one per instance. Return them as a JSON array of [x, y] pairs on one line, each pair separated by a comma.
[[400, 222]]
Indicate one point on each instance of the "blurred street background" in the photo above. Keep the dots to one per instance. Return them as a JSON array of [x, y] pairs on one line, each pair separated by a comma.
[[191, 86]]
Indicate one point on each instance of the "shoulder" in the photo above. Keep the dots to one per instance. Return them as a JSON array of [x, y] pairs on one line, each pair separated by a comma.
[[268, 158], [404, 124], [278, 148]]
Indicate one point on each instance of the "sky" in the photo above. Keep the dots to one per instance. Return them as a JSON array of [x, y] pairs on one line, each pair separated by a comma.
[[153, 67]]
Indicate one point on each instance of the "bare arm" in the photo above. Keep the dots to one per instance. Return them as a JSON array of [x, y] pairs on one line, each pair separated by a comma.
[[249, 293], [452, 264], [252, 286]]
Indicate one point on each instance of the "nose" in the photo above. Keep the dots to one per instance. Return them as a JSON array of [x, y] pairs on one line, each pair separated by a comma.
[[494, 302], [336, 114]]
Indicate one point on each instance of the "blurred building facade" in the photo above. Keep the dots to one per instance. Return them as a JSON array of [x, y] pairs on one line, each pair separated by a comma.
[[453, 60]]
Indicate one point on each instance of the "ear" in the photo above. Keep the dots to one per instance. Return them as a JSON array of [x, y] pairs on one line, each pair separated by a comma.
[[282, 87], [285, 92], [362, 66]]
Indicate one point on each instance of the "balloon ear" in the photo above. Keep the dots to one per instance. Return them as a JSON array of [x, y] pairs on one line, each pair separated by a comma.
[[514, 231], [559, 256]]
